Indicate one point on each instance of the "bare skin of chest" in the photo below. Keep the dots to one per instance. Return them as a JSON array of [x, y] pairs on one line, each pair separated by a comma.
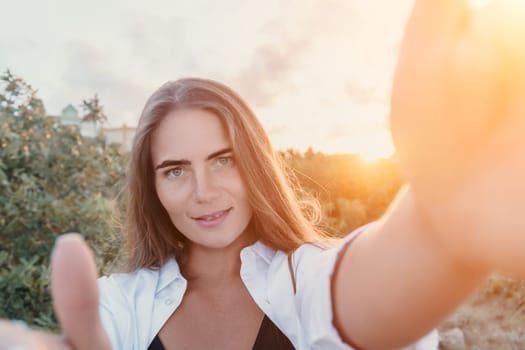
[[218, 317]]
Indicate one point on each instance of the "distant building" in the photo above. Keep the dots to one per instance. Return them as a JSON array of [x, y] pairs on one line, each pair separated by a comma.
[[122, 135], [69, 116]]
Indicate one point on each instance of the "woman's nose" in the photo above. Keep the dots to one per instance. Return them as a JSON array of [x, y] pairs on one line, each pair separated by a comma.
[[205, 189]]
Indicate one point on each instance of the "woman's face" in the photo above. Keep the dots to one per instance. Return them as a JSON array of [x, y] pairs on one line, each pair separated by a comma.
[[197, 180]]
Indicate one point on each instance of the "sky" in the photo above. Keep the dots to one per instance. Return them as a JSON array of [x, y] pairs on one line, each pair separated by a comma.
[[316, 72]]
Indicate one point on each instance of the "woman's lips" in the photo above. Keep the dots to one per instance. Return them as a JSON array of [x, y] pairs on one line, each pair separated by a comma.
[[213, 219]]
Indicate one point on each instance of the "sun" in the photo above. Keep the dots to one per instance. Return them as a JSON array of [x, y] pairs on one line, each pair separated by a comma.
[[372, 154], [374, 146]]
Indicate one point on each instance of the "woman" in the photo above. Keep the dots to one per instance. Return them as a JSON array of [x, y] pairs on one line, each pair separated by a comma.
[[222, 209], [218, 253]]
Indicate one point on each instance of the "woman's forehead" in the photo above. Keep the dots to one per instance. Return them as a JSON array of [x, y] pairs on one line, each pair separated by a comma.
[[189, 133]]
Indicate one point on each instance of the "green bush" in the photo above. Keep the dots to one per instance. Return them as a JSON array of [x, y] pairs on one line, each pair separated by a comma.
[[52, 180], [24, 291]]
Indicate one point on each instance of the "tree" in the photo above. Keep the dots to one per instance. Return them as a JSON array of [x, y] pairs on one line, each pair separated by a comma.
[[52, 180], [93, 110]]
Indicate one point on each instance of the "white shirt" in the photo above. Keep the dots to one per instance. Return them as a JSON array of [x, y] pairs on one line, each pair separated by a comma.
[[134, 306]]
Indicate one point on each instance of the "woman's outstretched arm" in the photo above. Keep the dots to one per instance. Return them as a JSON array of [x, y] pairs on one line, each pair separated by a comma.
[[395, 283], [457, 118]]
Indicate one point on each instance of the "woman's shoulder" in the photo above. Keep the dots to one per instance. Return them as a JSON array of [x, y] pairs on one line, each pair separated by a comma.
[[315, 258], [309, 251]]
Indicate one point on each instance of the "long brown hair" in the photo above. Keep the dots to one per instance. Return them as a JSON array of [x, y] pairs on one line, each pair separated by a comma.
[[279, 220]]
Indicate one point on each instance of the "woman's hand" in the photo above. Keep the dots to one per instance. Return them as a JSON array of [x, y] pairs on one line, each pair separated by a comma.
[[75, 299], [458, 122], [15, 336]]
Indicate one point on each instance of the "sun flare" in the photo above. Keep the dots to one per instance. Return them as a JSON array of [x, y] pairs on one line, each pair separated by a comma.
[[370, 146], [476, 4], [375, 151]]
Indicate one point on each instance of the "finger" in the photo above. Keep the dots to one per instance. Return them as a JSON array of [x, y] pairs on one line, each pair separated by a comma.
[[75, 293]]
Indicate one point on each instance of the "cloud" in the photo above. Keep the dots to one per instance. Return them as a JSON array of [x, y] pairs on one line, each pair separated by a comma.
[[326, 44], [312, 70], [87, 72], [288, 40], [264, 78], [162, 46]]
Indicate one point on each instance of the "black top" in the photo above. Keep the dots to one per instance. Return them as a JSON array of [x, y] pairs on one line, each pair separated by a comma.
[[269, 338]]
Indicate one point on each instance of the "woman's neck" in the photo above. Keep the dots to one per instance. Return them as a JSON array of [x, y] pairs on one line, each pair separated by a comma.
[[213, 266]]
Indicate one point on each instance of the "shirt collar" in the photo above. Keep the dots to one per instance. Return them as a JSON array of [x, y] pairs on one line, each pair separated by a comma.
[[264, 251], [171, 270], [168, 273]]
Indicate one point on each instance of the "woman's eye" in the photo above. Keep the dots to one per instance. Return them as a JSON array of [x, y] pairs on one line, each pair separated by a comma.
[[175, 172], [224, 161]]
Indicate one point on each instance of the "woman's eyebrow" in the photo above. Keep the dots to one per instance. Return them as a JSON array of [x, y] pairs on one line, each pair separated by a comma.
[[174, 162], [219, 153], [171, 162]]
